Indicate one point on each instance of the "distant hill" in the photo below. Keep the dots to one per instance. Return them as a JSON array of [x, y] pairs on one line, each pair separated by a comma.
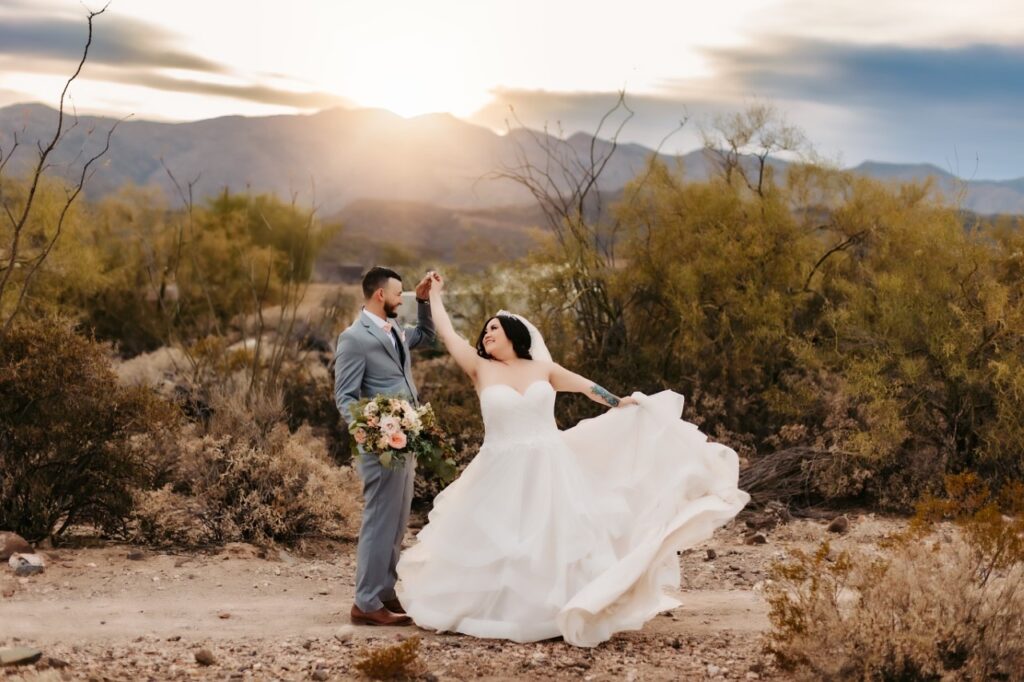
[[350, 155], [406, 233], [986, 197]]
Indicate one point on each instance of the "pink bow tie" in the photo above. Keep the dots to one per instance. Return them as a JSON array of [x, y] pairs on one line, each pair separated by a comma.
[[387, 327]]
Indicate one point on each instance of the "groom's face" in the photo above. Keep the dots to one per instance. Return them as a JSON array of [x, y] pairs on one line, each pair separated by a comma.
[[392, 297]]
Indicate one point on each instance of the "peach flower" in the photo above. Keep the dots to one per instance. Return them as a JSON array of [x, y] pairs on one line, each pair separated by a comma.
[[397, 440], [360, 435]]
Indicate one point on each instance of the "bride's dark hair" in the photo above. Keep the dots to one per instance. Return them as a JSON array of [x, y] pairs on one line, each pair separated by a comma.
[[516, 332]]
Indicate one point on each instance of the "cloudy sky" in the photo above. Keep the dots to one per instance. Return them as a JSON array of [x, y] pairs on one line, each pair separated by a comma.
[[934, 81]]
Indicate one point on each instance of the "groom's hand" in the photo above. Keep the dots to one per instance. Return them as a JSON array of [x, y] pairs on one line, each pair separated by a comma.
[[423, 288]]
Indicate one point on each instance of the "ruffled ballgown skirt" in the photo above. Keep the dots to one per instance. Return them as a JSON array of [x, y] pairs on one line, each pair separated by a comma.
[[570, 533]]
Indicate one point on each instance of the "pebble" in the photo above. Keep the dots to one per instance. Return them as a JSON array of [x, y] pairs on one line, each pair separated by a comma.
[[839, 524], [205, 657]]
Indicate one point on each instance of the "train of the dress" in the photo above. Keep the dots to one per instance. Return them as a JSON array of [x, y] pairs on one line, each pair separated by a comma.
[[573, 534]]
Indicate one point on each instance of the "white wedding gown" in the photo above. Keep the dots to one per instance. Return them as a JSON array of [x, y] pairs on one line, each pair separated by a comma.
[[570, 533]]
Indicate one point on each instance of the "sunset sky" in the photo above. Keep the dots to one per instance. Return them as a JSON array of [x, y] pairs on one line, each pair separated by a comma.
[[899, 80]]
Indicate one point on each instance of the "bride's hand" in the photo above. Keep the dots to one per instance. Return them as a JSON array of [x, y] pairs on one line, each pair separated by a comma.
[[437, 284], [627, 401]]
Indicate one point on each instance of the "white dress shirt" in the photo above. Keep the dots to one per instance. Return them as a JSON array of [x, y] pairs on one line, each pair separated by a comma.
[[381, 324]]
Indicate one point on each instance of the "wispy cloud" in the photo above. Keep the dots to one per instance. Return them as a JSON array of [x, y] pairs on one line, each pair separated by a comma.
[[873, 75], [134, 52], [261, 94], [122, 41]]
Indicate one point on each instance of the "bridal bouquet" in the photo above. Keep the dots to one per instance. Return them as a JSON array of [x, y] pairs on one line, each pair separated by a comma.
[[392, 428]]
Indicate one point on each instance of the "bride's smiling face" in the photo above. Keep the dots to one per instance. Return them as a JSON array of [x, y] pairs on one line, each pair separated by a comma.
[[495, 340]]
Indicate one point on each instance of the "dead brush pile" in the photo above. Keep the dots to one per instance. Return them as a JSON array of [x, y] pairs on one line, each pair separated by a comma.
[[945, 601]]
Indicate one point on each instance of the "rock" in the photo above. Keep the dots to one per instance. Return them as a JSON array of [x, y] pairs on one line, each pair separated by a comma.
[[755, 539], [714, 670], [224, 616], [320, 675], [19, 655], [27, 564], [762, 522], [344, 633], [710, 555], [136, 555], [205, 657], [11, 543], [840, 524], [56, 663]]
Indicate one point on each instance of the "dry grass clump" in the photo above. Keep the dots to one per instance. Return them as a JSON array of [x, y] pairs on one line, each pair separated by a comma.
[[395, 662], [940, 603], [248, 478]]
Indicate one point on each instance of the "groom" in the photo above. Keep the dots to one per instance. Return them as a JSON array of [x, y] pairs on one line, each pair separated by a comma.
[[372, 359]]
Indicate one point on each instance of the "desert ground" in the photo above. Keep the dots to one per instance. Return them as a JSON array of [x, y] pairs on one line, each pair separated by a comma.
[[117, 612]]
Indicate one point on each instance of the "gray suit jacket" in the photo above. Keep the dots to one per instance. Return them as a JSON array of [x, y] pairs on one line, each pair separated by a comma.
[[366, 363]]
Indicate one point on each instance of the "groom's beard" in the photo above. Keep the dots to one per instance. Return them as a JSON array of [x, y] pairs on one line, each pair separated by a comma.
[[391, 310]]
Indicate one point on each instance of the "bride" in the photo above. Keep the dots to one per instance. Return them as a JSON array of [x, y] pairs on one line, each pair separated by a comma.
[[553, 533]]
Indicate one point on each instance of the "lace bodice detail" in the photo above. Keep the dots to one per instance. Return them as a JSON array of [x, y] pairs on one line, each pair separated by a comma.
[[513, 417]]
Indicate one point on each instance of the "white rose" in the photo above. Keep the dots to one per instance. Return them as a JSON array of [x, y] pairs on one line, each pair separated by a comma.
[[389, 425]]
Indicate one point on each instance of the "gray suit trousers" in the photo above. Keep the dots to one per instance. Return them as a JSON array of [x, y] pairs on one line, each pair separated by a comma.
[[387, 496]]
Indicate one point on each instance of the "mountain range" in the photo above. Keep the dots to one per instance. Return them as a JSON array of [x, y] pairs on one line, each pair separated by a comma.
[[340, 158]]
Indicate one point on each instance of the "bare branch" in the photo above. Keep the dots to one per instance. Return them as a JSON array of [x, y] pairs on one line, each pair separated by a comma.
[[20, 223]]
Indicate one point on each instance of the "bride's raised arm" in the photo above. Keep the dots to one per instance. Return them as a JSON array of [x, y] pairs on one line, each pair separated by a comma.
[[569, 382], [464, 354]]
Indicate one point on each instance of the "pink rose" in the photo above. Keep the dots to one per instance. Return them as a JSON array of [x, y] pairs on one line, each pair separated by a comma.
[[360, 435], [397, 440], [372, 422]]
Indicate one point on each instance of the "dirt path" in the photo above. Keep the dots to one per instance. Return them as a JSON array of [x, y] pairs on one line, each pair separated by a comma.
[[284, 616]]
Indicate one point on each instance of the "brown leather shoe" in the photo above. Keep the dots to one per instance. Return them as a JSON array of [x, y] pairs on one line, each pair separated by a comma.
[[394, 606], [379, 617]]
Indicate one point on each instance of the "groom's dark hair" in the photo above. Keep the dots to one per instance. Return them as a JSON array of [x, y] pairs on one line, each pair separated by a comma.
[[516, 332], [376, 277]]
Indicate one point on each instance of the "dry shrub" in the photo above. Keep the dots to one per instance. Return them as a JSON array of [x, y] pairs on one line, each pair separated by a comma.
[[248, 478], [73, 442], [308, 393], [395, 662], [940, 602]]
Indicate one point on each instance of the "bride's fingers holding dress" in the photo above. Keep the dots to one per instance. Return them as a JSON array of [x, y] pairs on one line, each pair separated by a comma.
[[629, 400]]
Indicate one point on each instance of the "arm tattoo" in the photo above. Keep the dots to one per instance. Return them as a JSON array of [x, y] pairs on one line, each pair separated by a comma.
[[605, 394]]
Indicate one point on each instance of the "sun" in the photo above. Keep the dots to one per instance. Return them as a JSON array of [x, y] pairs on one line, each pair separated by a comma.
[[413, 63], [412, 92]]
